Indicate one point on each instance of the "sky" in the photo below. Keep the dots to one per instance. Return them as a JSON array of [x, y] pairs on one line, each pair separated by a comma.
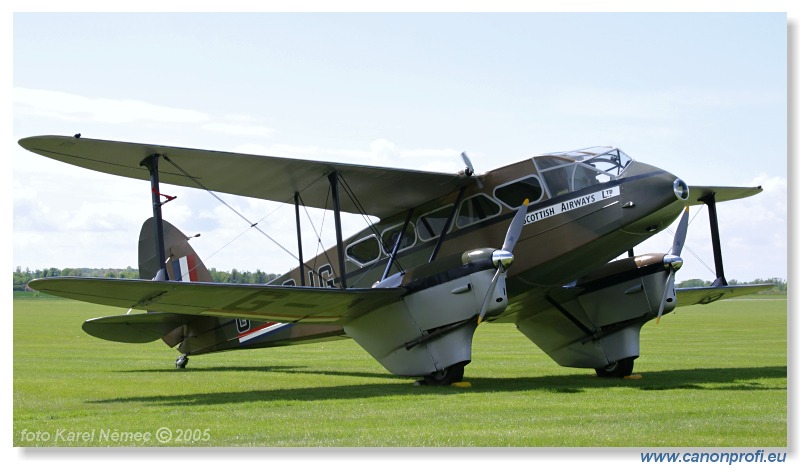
[[701, 95]]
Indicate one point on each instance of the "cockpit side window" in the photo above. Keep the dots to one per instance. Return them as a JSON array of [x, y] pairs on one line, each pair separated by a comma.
[[513, 194], [586, 176], [612, 163], [557, 173], [558, 179]]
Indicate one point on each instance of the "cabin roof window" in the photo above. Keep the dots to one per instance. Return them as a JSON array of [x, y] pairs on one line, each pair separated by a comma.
[[476, 208], [513, 194]]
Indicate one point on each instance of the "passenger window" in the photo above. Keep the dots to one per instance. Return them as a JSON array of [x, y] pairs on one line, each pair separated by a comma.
[[364, 251], [513, 194], [431, 225], [390, 235], [475, 209]]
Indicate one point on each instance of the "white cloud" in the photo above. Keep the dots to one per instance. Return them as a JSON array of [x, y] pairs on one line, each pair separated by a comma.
[[380, 152], [654, 104], [72, 107], [239, 129], [76, 108]]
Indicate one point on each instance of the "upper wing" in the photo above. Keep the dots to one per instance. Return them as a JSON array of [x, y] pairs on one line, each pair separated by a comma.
[[263, 177], [260, 302], [721, 194], [705, 295]]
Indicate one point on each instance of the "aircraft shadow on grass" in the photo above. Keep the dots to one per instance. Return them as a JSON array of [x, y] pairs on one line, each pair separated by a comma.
[[721, 379], [272, 369]]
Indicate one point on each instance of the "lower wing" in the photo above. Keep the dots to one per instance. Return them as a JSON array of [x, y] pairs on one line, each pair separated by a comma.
[[259, 302], [706, 295]]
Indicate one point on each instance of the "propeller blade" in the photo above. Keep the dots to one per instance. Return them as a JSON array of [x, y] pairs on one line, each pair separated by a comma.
[[515, 228], [667, 288], [489, 293], [680, 234], [470, 169], [504, 261]]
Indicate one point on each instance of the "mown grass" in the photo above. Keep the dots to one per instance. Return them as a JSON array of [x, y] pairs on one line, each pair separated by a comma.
[[712, 376]]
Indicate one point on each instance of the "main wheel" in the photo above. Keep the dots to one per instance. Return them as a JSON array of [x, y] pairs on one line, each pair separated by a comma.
[[446, 377], [619, 369], [181, 362]]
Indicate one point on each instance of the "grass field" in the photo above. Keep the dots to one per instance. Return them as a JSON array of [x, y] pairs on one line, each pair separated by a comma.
[[712, 376]]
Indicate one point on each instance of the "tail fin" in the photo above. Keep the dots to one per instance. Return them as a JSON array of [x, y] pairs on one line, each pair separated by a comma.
[[183, 264]]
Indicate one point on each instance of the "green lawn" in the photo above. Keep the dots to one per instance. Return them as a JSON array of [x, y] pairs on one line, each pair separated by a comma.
[[711, 376]]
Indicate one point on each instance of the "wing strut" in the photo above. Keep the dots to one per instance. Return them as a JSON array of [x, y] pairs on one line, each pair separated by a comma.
[[393, 255], [710, 201], [299, 239], [151, 163], [334, 180], [447, 225]]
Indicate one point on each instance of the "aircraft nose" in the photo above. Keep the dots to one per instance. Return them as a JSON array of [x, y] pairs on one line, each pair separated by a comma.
[[651, 200]]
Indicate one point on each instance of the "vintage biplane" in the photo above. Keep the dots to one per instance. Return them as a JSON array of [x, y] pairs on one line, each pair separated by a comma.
[[541, 243]]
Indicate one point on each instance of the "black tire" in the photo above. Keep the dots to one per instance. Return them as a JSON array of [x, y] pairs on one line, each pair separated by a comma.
[[446, 377], [181, 362], [619, 369]]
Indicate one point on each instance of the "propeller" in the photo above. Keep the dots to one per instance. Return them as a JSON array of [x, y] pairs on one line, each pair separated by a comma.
[[673, 261], [504, 257], [469, 171]]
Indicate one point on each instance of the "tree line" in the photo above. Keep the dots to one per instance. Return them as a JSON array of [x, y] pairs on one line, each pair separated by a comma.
[[22, 277], [779, 284]]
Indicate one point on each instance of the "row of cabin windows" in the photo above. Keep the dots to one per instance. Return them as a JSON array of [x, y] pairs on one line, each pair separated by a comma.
[[429, 226]]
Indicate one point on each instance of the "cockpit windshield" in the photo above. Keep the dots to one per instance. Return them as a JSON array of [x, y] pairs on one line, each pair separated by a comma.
[[573, 170]]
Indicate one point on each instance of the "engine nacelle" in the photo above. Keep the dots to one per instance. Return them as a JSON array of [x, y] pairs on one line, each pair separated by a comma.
[[596, 320]]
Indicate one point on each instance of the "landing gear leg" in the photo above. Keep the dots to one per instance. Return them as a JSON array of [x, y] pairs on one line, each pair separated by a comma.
[[446, 377], [181, 362], [618, 369]]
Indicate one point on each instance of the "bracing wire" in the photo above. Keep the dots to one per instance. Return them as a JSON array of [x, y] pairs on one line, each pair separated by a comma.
[[252, 225], [317, 233], [688, 248], [369, 223]]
